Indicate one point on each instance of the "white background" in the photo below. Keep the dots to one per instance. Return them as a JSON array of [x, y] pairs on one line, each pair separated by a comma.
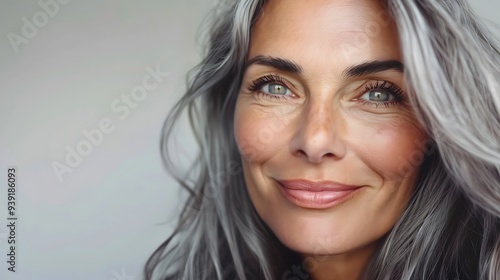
[[105, 218]]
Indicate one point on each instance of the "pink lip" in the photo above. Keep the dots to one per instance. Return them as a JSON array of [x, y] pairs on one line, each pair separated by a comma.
[[316, 195]]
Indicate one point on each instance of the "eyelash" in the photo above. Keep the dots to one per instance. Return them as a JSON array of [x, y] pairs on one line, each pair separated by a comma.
[[257, 85], [394, 90], [397, 93]]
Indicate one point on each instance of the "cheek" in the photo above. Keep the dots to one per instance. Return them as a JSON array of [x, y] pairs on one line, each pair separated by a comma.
[[394, 150], [258, 134]]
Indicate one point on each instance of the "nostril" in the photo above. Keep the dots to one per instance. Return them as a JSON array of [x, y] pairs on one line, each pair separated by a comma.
[[314, 157], [301, 153], [329, 155]]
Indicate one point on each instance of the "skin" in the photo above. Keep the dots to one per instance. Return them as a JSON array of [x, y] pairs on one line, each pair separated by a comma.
[[327, 127]]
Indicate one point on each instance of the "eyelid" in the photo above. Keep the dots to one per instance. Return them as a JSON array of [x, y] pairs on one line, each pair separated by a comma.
[[262, 80], [400, 97]]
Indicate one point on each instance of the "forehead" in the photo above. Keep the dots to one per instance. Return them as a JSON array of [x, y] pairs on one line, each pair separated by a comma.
[[332, 31]]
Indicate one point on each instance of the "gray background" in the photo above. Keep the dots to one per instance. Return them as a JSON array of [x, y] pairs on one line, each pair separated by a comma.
[[117, 205]]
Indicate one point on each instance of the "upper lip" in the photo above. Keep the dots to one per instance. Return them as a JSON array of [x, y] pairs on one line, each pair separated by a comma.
[[316, 186]]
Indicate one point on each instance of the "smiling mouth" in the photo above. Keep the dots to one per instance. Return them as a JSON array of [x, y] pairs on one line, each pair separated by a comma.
[[316, 195]]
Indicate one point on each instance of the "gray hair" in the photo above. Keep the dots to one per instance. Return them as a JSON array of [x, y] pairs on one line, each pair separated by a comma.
[[451, 227]]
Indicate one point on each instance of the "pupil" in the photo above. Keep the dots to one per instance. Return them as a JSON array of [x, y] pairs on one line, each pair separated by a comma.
[[277, 89], [379, 96]]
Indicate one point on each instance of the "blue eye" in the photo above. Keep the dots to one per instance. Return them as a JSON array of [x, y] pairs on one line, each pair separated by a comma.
[[378, 96], [275, 89], [382, 93], [272, 86]]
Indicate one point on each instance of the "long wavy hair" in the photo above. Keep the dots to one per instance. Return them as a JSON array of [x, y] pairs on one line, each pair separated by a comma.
[[451, 227]]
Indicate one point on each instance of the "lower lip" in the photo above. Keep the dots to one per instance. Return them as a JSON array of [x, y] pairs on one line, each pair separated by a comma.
[[317, 200]]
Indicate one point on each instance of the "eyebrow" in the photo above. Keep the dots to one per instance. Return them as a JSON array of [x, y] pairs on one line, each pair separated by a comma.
[[365, 68], [281, 64], [371, 67]]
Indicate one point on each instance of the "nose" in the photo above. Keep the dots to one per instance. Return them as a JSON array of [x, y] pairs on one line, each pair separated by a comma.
[[318, 136]]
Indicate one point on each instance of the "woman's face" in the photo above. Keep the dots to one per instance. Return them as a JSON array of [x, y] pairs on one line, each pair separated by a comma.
[[324, 125]]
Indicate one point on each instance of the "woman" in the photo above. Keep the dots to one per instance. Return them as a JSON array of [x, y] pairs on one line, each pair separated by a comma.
[[341, 140]]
